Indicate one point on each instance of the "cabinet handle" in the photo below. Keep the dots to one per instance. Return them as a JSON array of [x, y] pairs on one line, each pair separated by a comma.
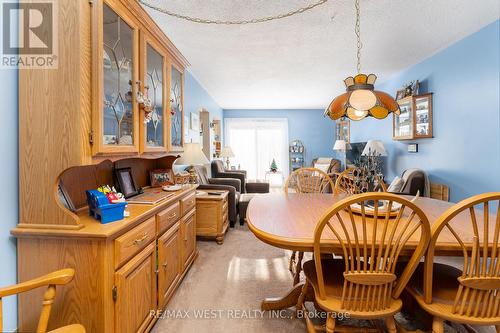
[[140, 240], [164, 265], [171, 216]]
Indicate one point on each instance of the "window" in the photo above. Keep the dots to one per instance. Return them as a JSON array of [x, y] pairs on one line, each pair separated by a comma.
[[255, 142]]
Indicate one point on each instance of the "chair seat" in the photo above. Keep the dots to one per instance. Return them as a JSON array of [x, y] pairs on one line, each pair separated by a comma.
[[75, 328], [445, 286], [333, 270]]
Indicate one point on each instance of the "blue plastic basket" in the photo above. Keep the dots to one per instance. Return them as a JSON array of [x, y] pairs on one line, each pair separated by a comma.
[[101, 209]]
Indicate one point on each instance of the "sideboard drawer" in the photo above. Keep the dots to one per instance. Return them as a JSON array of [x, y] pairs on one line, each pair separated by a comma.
[[130, 243], [188, 203], [168, 217]]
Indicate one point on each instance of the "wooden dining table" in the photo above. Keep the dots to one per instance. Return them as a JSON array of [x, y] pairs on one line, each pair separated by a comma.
[[288, 221]]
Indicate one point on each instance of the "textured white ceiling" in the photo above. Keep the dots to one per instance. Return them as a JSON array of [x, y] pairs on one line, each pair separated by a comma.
[[301, 61]]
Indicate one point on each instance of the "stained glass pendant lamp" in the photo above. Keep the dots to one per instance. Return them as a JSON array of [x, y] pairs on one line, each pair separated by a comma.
[[361, 100]]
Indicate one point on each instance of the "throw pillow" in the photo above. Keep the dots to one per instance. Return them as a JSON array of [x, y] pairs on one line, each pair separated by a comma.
[[322, 167], [396, 185]]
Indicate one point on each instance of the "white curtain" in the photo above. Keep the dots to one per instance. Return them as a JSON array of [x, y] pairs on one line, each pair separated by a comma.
[[255, 142]]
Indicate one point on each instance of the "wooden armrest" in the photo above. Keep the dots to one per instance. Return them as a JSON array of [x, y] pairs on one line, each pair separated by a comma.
[[60, 277]]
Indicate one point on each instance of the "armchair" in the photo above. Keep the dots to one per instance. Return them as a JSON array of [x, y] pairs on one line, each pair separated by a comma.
[[218, 171], [232, 185], [256, 186], [332, 171]]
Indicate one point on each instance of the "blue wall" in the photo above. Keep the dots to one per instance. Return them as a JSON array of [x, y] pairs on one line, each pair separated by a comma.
[[309, 126], [465, 150], [9, 194], [196, 98], [9, 205]]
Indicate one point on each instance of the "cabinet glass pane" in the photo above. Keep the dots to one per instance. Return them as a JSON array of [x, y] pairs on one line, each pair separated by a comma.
[[176, 108], [154, 81], [118, 77], [403, 122], [422, 116]]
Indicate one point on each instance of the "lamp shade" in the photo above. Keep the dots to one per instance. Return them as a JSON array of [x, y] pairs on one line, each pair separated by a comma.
[[362, 100], [226, 152], [340, 145], [374, 148], [193, 155]]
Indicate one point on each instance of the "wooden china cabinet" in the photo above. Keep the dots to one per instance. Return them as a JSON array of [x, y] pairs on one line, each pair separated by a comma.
[[131, 64], [78, 123]]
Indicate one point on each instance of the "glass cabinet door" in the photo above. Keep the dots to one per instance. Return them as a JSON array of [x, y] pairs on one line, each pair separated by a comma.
[[118, 114], [154, 90], [176, 109], [423, 116], [403, 124]]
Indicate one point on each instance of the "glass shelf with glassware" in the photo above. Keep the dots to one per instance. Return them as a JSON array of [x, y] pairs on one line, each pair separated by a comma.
[[415, 120]]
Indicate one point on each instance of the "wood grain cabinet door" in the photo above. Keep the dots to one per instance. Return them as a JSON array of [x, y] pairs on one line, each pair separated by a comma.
[[136, 292], [188, 231], [169, 263]]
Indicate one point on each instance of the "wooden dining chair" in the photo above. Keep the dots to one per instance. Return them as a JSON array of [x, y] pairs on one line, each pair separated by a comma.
[[305, 180], [469, 296], [356, 181], [309, 180], [365, 283], [50, 280]]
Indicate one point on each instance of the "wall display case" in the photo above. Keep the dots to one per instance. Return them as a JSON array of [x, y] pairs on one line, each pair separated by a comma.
[[343, 130], [297, 155], [415, 120]]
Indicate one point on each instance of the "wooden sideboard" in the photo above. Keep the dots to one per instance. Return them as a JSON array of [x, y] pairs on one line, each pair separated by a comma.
[[117, 282], [212, 215]]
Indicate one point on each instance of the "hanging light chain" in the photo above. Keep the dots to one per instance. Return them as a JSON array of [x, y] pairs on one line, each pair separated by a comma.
[[236, 22], [357, 30]]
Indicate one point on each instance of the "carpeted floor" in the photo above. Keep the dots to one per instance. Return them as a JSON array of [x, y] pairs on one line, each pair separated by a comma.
[[223, 290]]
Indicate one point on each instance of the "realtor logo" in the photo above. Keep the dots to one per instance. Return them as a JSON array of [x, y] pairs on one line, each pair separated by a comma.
[[29, 34]]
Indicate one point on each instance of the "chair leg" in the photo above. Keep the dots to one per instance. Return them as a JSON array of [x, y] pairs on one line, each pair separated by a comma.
[[298, 268], [497, 328], [292, 262], [437, 325], [330, 323], [391, 324]]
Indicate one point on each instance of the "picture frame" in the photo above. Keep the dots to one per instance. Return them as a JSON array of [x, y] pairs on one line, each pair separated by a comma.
[[126, 182], [400, 94], [64, 197], [416, 88], [194, 121], [161, 177]]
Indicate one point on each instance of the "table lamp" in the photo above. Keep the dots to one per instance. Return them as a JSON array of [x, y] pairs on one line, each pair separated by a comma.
[[193, 155], [341, 145], [374, 148], [227, 152]]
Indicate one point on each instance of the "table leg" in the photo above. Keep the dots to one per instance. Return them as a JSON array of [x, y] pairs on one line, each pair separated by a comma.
[[287, 301], [298, 268]]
